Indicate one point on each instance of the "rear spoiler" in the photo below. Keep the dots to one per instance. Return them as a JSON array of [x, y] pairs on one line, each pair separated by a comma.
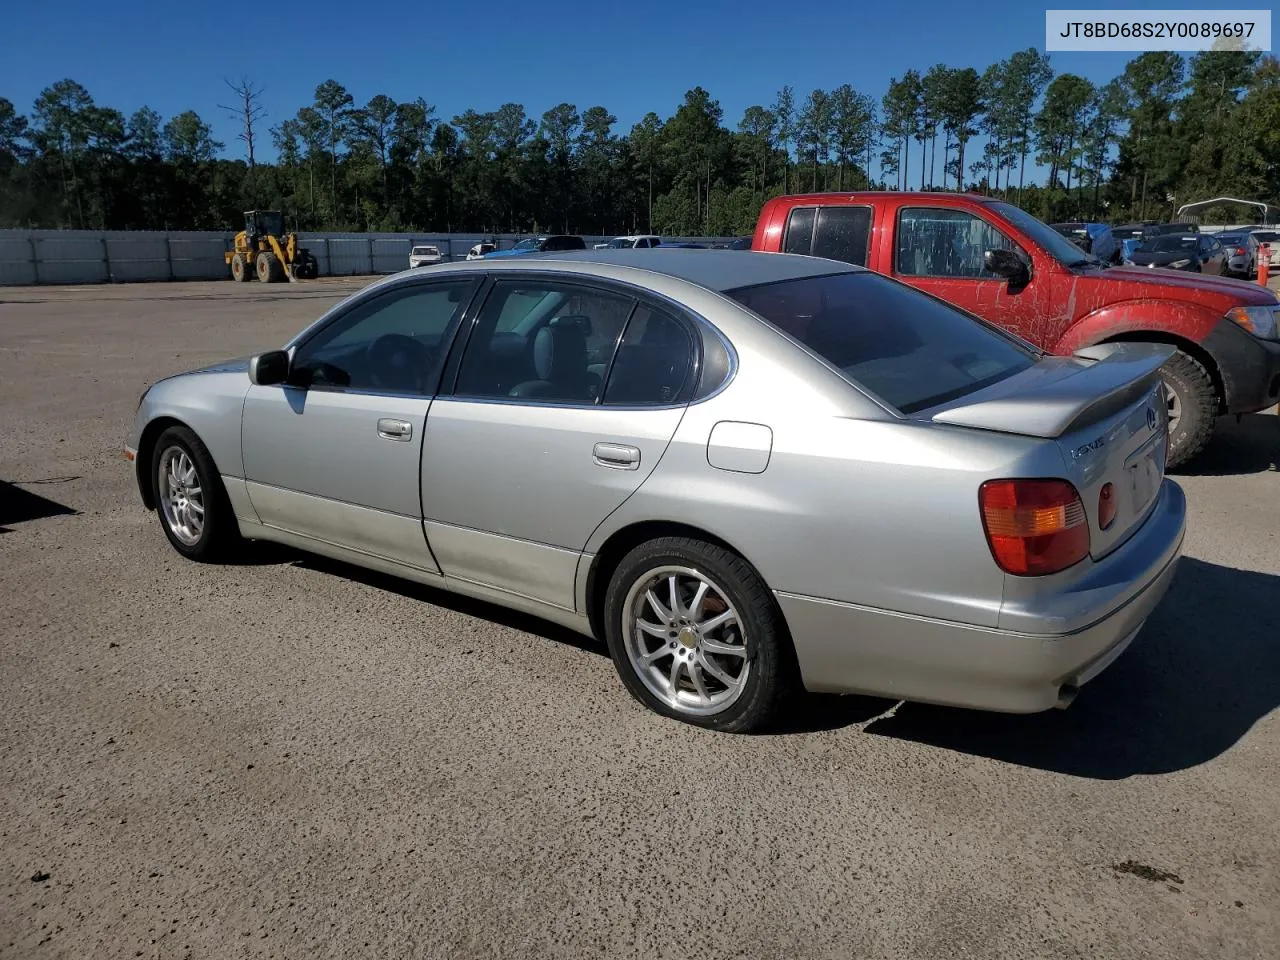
[[1092, 384]]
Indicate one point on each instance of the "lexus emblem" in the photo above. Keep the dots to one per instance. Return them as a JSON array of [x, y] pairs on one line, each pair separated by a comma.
[[1151, 418]]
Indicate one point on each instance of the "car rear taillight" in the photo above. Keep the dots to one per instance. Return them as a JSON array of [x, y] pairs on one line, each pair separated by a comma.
[[1240, 251], [1034, 527]]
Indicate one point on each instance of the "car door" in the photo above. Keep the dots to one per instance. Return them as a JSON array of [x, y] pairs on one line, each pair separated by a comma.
[[523, 460], [333, 454], [941, 250]]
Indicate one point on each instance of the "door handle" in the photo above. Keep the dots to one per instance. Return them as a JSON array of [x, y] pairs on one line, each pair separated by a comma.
[[390, 429], [616, 456]]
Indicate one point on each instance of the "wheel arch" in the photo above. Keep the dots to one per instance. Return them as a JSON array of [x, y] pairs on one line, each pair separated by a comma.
[[623, 541], [1187, 346], [146, 450]]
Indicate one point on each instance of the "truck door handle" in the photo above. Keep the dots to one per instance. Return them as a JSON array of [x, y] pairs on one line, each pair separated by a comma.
[[616, 456], [390, 429]]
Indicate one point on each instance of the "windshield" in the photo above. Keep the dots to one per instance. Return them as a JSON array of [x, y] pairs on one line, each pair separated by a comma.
[[529, 244], [619, 243], [425, 251], [1058, 247], [1170, 245], [1227, 238], [905, 347]]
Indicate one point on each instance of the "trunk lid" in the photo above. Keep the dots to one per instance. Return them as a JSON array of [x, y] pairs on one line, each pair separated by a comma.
[[1104, 408]]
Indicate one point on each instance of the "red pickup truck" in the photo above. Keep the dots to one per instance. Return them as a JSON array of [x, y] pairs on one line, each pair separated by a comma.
[[995, 260]]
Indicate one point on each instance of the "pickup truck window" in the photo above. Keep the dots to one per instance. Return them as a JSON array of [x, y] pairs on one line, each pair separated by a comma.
[[905, 347], [944, 242], [799, 234], [837, 233], [1052, 242]]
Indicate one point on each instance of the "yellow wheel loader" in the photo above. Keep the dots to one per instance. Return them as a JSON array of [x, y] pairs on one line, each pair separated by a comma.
[[262, 249]]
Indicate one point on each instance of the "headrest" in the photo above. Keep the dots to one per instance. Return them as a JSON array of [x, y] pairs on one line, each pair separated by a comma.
[[559, 352]]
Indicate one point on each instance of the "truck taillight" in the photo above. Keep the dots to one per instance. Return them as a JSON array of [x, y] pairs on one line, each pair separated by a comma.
[[1034, 527]]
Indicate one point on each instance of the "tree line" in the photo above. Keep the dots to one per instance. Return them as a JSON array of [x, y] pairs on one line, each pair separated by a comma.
[[1168, 130]]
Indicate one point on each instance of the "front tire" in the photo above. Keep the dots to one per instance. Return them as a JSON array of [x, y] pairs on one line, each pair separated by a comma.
[[696, 635], [1193, 406], [191, 502]]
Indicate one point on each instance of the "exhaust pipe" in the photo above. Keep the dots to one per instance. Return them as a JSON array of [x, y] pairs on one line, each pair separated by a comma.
[[1066, 694]]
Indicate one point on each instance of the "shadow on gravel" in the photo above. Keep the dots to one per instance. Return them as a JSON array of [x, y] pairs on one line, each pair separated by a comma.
[[1250, 446], [1203, 671], [18, 505], [480, 609]]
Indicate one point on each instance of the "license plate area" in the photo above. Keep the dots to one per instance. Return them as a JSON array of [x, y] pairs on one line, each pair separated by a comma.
[[1144, 470]]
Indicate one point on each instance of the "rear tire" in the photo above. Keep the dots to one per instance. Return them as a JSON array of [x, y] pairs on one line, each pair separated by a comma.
[[269, 268], [733, 676], [1193, 406], [239, 269]]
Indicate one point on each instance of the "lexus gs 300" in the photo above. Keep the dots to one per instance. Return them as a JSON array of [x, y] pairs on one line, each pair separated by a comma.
[[750, 474]]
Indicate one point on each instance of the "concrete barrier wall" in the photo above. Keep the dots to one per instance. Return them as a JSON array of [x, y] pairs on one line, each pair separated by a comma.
[[124, 256]]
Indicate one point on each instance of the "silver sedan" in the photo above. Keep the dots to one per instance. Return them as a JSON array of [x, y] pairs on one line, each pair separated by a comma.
[[749, 473]]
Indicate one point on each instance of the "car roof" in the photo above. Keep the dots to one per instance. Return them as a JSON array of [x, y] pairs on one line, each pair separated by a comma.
[[717, 270], [714, 269]]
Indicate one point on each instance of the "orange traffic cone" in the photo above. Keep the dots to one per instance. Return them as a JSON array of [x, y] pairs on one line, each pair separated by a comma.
[[1264, 263]]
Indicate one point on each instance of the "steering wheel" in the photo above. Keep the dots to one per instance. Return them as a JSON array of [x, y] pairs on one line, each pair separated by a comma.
[[398, 362]]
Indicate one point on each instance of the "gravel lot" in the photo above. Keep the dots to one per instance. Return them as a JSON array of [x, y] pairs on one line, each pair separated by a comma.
[[293, 758]]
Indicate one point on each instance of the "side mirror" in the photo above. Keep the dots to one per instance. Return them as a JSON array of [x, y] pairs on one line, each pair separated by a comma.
[[1007, 264], [267, 369]]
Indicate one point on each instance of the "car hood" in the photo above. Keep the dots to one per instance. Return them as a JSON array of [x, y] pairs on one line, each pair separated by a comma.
[[237, 365], [1241, 291], [507, 253]]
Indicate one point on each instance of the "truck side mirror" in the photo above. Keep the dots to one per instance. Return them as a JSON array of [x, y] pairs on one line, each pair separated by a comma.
[[1007, 264], [267, 369]]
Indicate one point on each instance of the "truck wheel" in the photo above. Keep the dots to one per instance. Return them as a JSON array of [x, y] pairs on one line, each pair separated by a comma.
[[239, 269], [268, 268], [1193, 406]]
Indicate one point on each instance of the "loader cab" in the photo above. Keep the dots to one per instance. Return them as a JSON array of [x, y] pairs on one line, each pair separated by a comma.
[[261, 223]]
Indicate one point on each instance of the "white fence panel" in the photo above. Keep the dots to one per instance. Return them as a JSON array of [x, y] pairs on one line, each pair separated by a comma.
[[391, 256], [349, 257], [196, 257], [17, 261]]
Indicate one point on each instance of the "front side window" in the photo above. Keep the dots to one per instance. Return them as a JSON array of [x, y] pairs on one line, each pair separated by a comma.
[[542, 341], [905, 347], [394, 343], [941, 242]]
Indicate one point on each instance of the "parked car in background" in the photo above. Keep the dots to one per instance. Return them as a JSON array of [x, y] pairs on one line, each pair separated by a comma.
[[737, 243], [639, 242], [1270, 237], [480, 250], [1163, 228], [995, 260], [1130, 236], [424, 255], [1241, 248], [1195, 253], [560, 241], [1093, 238], [938, 511]]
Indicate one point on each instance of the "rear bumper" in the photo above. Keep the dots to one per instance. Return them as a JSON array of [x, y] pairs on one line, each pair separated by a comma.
[[1250, 367], [845, 648]]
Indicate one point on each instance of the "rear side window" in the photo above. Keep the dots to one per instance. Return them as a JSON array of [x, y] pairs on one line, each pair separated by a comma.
[[837, 233], [909, 349], [654, 360], [799, 233], [842, 234]]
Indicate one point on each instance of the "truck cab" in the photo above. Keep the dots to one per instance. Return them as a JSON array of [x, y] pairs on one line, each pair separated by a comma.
[[998, 262]]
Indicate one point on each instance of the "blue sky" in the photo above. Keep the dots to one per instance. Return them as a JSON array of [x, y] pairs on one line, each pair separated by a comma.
[[630, 57]]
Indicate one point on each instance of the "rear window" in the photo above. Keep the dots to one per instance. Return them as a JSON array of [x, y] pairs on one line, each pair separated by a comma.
[[909, 349]]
